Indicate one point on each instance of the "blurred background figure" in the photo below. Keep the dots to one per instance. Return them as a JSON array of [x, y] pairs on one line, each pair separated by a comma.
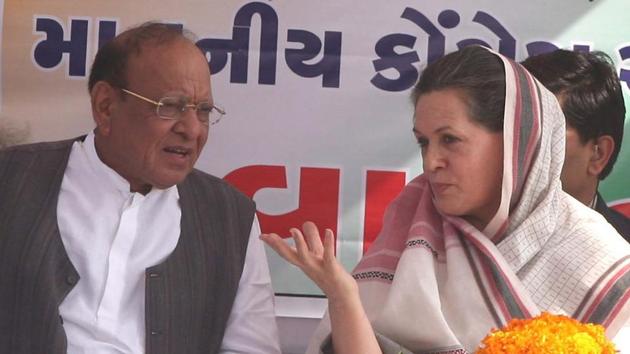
[[589, 92]]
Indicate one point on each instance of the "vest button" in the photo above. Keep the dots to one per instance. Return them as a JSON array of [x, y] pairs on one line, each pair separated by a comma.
[[72, 279], [154, 275], [156, 332]]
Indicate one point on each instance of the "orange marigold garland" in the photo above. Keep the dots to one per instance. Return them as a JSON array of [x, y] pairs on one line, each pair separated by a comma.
[[548, 333]]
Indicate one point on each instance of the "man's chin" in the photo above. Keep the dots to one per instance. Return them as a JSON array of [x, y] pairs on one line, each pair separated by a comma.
[[169, 181], [167, 185]]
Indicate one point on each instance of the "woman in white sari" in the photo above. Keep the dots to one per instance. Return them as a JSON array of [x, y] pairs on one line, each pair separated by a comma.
[[484, 235]]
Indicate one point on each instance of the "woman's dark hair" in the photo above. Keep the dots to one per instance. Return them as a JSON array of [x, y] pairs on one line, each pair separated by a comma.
[[479, 74]]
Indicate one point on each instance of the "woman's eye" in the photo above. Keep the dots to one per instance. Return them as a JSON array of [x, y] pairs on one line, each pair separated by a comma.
[[449, 139], [422, 142]]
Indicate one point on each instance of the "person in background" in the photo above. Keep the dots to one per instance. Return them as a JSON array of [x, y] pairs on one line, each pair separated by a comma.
[[485, 234], [589, 92], [113, 242]]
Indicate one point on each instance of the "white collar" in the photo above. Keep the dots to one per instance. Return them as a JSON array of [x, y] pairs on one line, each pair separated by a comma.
[[106, 174]]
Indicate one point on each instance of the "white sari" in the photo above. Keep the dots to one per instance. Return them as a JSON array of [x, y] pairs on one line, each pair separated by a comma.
[[433, 283]]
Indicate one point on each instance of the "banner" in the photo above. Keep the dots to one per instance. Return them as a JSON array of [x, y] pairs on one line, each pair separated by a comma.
[[319, 118]]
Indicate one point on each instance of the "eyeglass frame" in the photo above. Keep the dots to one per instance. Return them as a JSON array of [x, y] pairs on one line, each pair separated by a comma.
[[159, 104]]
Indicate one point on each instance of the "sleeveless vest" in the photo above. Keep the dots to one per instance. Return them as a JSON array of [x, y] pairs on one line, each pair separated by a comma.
[[188, 297]]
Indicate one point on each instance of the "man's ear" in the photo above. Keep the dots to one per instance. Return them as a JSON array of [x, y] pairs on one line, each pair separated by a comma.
[[603, 147], [104, 98]]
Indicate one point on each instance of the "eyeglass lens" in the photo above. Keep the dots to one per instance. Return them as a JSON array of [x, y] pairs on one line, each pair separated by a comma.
[[173, 107]]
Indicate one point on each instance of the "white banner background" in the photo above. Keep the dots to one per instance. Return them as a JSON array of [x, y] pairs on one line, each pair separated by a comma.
[[296, 122]]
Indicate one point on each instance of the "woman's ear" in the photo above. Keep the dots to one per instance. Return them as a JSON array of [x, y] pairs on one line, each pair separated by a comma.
[[104, 98], [603, 147]]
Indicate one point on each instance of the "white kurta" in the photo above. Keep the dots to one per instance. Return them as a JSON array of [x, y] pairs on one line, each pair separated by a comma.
[[112, 235]]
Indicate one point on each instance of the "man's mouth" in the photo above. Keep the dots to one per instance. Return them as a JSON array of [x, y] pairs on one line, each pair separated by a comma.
[[179, 150]]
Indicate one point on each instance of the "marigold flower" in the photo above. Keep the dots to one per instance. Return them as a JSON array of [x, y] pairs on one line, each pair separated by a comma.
[[547, 333]]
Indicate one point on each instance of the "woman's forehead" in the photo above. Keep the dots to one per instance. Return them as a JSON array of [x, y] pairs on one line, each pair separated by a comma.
[[437, 109]]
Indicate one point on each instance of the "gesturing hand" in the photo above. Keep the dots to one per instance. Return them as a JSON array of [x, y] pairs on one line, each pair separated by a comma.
[[315, 259], [348, 320]]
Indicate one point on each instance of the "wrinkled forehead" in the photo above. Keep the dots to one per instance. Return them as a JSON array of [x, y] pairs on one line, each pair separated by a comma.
[[177, 53], [172, 66]]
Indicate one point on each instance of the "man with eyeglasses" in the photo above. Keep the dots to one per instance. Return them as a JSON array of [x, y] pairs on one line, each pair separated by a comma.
[[113, 242]]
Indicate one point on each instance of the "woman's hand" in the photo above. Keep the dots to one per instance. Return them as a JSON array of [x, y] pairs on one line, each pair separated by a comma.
[[348, 320], [316, 260]]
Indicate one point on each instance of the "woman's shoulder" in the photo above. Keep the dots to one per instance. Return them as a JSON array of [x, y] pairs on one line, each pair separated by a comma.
[[579, 223]]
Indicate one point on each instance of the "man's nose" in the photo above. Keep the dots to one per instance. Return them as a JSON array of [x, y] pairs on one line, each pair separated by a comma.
[[188, 125]]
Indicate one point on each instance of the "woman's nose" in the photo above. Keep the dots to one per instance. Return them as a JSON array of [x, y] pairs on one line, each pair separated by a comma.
[[432, 159]]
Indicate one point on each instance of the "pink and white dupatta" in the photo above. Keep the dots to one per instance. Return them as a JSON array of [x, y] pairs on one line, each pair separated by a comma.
[[432, 283]]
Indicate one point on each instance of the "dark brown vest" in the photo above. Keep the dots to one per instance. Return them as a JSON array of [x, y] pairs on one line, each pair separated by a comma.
[[189, 296]]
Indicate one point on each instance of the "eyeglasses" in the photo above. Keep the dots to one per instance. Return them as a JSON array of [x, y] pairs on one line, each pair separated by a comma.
[[175, 107]]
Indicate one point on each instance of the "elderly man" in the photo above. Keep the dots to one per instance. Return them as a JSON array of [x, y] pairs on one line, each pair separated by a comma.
[[113, 242], [588, 89]]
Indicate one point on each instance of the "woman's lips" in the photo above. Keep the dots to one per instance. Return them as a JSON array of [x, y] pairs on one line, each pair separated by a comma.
[[439, 188]]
